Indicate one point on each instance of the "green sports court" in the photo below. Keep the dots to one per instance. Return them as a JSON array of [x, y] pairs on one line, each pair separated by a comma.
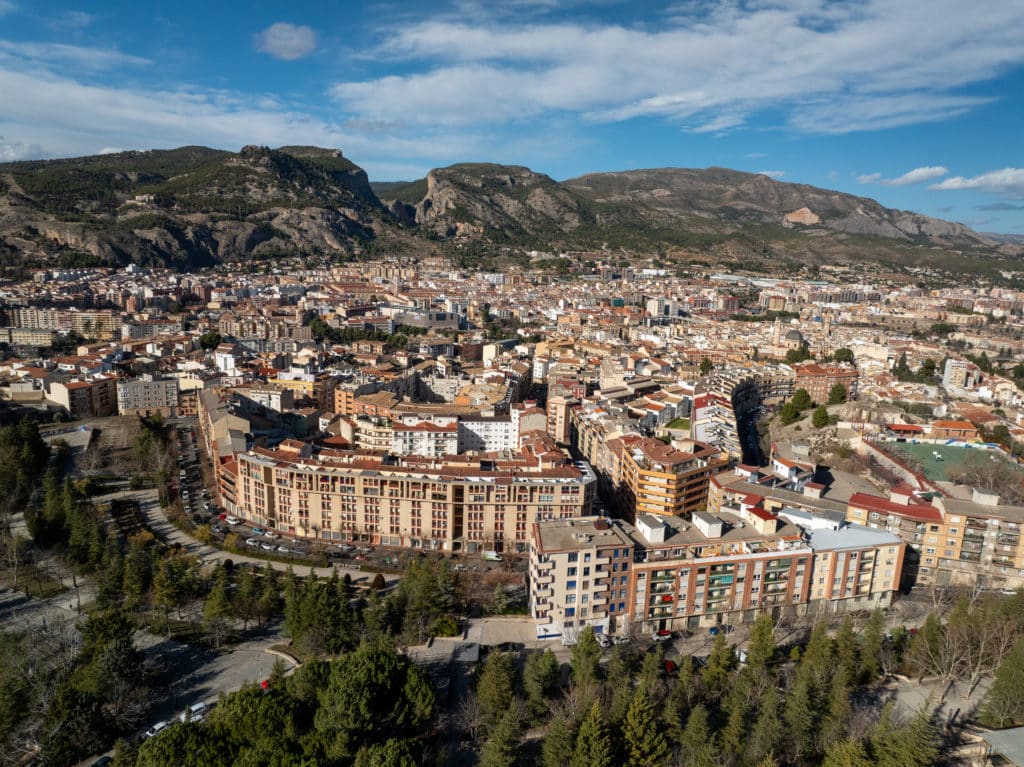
[[951, 457]]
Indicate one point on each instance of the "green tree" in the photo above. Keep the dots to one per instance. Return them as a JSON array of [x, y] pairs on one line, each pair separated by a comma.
[[789, 414], [761, 647], [910, 745], [217, 608], [502, 747], [697, 743], [210, 340], [371, 690], [1004, 702], [391, 753], [706, 366], [593, 745], [494, 689], [558, 747], [245, 600], [872, 639], [843, 354], [802, 400], [819, 418], [645, 741], [584, 657], [837, 394], [847, 753], [541, 679], [720, 664], [800, 354]]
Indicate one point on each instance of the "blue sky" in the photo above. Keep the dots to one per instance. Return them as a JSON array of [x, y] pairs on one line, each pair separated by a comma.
[[917, 104]]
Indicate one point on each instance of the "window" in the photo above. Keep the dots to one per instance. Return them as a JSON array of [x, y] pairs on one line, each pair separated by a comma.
[[570, 612], [586, 557], [570, 584], [574, 557], [570, 599], [586, 571], [571, 571]]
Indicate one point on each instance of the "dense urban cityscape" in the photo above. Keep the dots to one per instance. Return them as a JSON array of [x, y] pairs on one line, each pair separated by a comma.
[[628, 452], [538, 383]]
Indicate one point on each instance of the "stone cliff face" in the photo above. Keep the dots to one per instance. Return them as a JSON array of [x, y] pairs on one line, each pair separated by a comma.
[[186, 208], [195, 206], [476, 198]]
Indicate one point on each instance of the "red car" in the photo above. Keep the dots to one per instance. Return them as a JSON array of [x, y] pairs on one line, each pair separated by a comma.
[[663, 635], [670, 666]]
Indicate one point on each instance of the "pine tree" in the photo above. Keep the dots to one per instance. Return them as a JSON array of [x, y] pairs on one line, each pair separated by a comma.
[[540, 680], [217, 607], [558, 748], [847, 753], [494, 688], [584, 657], [871, 641], [720, 664], [244, 600], [911, 745], [761, 647], [837, 394], [593, 746], [819, 419], [645, 741], [802, 400], [1004, 702], [697, 745], [502, 747], [765, 737]]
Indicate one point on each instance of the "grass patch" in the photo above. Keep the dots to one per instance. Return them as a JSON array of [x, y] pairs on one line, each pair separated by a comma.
[[680, 423]]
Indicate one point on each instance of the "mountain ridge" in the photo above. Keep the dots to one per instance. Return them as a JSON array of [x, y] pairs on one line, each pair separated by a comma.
[[194, 206]]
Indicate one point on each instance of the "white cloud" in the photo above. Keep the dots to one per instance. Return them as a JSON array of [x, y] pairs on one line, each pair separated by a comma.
[[915, 176], [16, 150], [1008, 182], [75, 57], [289, 42], [6, 6], [827, 67], [776, 174]]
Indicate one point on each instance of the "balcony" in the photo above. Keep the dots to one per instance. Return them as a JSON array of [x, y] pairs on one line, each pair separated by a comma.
[[1003, 561], [543, 593]]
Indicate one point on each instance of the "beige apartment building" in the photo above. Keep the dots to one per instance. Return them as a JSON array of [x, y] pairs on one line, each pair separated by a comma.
[[672, 574], [453, 503], [663, 480]]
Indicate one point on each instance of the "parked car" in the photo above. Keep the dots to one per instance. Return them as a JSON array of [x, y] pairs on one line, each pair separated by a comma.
[[156, 728], [258, 531], [254, 542], [603, 640], [194, 713], [270, 534], [232, 520], [662, 635], [283, 549], [267, 546], [670, 666], [620, 639]]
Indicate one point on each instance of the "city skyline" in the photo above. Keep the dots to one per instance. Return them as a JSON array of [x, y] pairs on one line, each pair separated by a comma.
[[918, 108]]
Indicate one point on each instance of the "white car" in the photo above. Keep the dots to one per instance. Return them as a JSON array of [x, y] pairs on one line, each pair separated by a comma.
[[603, 640], [267, 546], [156, 728], [252, 542], [232, 520], [271, 534], [194, 713]]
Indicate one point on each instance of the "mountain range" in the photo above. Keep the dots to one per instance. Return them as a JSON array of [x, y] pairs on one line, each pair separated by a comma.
[[194, 206]]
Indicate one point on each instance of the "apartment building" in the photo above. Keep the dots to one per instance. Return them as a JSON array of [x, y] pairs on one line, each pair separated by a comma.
[[666, 481], [715, 569], [950, 541], [95, 397], [452, 503], [579, 570], [819, 378], [147, 395]]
